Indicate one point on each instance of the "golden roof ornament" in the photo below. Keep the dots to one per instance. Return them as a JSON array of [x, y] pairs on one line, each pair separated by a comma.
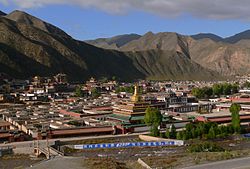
[[136, 97]]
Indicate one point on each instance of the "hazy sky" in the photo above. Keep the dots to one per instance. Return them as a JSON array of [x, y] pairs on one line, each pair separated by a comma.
[[90, 19]]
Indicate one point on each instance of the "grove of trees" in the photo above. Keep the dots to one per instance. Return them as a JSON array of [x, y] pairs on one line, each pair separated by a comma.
[[206, 130], [215, 90], [128, 89]]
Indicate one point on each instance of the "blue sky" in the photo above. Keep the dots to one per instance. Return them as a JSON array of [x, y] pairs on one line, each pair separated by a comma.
[[94, 21]]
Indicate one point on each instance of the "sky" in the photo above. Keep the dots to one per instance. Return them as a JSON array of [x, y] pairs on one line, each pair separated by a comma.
[[91, 19]]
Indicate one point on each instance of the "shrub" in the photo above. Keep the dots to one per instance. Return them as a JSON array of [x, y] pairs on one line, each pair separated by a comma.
[[205, 147]]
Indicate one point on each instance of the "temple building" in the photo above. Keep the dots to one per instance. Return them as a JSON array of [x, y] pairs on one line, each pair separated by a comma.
[[128, 116]]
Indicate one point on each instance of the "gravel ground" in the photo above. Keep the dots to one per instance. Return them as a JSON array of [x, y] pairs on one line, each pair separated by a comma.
[[61, 163], [17, 161]]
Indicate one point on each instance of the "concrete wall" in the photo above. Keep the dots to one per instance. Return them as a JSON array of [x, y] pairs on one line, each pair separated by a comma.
[[143, 164], [151, 138], [5, 152], [24, 150], [141, 129]]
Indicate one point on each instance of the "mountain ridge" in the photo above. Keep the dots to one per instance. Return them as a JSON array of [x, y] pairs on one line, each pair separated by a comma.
[[25, 18], [30, 46], [228, 58], [211, 36], [2, 13]]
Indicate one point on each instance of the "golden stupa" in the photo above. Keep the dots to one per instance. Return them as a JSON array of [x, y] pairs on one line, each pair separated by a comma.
[[136, 97]]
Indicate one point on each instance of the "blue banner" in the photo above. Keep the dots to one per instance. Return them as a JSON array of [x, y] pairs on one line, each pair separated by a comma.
[[247, 135], [126, 145]]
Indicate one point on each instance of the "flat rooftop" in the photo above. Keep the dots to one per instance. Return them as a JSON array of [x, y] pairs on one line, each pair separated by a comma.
[[217, 113]]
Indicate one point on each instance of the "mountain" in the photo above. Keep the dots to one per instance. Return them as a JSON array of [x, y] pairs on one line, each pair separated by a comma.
[[26, 50], [211, 36], [232, 39], [2, 13], [29, 46], [25, 18], [238, 37], [227, 59], [166, 41], [114, 42], [167, 65]]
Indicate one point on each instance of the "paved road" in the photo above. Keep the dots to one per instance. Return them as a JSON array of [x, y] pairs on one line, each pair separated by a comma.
[[51, 141], [239, 163]]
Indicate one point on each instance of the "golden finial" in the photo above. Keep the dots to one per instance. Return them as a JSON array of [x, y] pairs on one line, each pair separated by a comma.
[[136, 97]]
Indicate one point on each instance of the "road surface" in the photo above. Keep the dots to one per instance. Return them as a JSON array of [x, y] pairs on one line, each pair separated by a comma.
[[238, 163]]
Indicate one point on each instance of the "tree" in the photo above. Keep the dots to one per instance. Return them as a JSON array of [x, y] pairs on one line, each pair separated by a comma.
[[198, 132], [128, 89], [235, 88], [217, 89], [230, 129], [194, 134], [155, 131], [173, 132], [167, 134], [103, 79], [153, 118], [211, 133], [246, 84], [197, 92], [208, 92], [184, 136], [235, 109], [179, 135], [78, 91], [201, 93], [95, 93], [227, 89]]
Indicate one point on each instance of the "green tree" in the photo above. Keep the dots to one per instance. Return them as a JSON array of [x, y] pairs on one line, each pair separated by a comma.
[[155, 131], [197, 92], [184, 136], [217, 89], [194, 134], [173, 132], [211, 133], [95, 93], [167, 134], [230, 129], [208, 92], [235, 88], [198, 132], [103, 79], [227, 89], [153, 118], [188, 134], [179, 135], [246, 84], [78, 91], [235, 109]]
